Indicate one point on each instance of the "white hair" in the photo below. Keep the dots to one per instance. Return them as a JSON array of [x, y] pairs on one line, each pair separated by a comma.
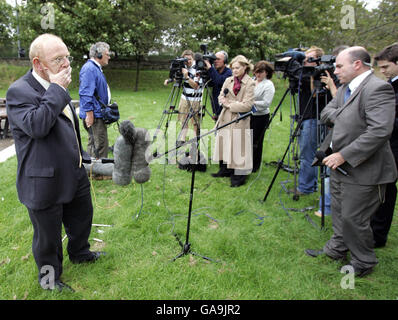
[[99, 47], [36, 47]]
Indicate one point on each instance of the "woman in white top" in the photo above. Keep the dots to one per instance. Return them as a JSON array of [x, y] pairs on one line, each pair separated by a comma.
[[263, 95]]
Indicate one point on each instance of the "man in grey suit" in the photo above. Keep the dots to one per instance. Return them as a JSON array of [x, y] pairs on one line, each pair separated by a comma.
[[51, 181], [362, 114]]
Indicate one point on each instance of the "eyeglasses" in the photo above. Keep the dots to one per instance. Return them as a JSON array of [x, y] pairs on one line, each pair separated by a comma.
[[59, 60]]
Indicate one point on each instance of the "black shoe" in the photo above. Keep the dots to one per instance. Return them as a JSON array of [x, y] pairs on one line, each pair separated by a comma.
[[314, 253], [59, 286], [94, 256], [360, 272], [184, 163], [221, 174], [237, 180]]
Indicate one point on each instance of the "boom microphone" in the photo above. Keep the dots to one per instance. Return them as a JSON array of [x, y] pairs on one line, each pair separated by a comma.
[[139, 142], [319, 156]]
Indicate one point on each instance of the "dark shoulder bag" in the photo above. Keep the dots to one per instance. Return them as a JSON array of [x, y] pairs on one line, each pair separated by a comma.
[[110, 112]]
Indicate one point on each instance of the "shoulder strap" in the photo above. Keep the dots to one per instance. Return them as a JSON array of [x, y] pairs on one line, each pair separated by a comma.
[[98, 99]]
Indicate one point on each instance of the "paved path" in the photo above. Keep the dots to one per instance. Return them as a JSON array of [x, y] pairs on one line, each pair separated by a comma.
[[7, 153]]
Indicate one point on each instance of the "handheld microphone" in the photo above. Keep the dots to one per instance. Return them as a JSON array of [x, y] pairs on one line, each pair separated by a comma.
[[319, 156], [226, 90]]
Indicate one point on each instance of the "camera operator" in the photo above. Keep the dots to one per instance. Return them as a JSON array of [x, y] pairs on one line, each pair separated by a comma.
[[93, 92], [309, 110], [332, 83], [218, 73], [191, 95]]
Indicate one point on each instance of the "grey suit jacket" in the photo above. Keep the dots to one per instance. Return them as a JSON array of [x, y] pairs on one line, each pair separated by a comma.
[[362, 127]]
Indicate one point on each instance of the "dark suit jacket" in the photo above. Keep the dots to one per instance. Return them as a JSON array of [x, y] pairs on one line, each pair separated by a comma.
[[362, 127], [45, 142], [394, 135]]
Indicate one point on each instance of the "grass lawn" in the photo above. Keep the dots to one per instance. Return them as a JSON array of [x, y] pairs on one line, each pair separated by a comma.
[[259, 246]]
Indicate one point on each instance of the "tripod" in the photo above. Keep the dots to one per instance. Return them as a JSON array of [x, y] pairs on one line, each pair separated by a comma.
[[291, 89], [320, 134], [315, 91], [291, 139], [186, 247], [196, 116], [167, 113]]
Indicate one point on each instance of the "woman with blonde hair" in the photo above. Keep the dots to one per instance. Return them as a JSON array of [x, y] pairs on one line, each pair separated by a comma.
[[233, 147]]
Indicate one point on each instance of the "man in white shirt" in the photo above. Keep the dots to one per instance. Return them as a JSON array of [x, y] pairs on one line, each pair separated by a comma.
[[51, 181], [363, 114]]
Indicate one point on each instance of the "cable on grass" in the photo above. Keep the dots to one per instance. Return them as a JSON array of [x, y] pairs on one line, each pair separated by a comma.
[[116, 203], [172, 221], [258, 217]]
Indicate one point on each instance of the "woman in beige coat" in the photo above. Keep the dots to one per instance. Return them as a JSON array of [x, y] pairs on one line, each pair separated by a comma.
[[233, 146]]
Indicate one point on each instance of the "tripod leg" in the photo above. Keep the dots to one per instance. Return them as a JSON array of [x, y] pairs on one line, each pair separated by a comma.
[[203, 257], [179, 240]]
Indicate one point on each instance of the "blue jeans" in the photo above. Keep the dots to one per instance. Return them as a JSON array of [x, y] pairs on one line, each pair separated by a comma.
[[327, 198], [308, 176]]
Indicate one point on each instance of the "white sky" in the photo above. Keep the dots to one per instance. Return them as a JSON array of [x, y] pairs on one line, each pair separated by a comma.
[[371, 4]]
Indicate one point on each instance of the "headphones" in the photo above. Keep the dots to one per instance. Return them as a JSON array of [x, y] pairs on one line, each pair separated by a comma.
[[225, 56], [97, 53]]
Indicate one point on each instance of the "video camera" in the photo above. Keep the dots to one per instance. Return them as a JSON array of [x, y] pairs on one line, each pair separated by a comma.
[[290, 63], [324, 63], [176, 68], [200, 64]]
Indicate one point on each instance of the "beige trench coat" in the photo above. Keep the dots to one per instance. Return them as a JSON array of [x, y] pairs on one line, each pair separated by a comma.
[[233, 143]]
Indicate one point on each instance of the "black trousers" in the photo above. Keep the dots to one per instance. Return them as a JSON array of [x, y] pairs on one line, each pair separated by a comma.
[[76, 217], [382, 219], [258, 124]]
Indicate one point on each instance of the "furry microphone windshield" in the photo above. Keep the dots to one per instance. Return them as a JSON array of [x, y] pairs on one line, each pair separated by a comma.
[[129, 152]]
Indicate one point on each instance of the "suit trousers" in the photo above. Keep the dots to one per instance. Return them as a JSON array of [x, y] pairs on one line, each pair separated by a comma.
[[76, 216], [98, 143], [352, 208], [382, 219]]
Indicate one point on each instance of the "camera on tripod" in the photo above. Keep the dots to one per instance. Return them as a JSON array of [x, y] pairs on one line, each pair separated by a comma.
[[176, 68], [290, 63], [200, 64]]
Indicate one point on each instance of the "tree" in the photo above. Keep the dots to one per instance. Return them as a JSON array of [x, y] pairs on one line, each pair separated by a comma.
[[256, 28], [131, 28], [6, 19], [140, 26]]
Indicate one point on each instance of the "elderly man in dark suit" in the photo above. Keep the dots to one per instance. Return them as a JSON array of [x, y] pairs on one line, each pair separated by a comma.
[[51, 181], [363, 114]]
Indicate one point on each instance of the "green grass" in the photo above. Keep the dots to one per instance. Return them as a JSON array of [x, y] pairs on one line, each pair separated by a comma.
[[259, 246]]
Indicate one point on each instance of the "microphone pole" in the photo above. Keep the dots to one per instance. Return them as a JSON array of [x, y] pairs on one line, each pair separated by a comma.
[[186, 247], [241, 117]]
